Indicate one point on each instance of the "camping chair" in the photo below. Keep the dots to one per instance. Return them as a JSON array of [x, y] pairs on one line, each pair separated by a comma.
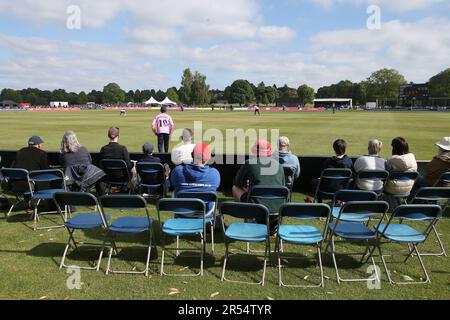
[[402, 176], [339, 178], [184, 224], [16, 183], [43, 185], [433, 196], [152, 177], [245, 232], [127, 225], [117, 174], [356, 232], [379, 176], [206, 197], [402, 233], [302, 234], [82, 221]]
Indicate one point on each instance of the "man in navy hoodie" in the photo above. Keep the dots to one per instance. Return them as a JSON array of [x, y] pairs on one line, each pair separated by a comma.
[[197, 177]]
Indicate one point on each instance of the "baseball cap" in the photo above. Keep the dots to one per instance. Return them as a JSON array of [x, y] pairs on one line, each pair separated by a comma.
[[201, 152], [35, 140], [444, 143], [262, 148]]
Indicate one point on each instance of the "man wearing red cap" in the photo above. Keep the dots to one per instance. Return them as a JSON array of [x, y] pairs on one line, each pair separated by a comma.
[[197, 177], [262, 169]]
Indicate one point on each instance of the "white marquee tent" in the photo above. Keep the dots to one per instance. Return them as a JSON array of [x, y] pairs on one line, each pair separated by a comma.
[[153, 101], [167, 101]]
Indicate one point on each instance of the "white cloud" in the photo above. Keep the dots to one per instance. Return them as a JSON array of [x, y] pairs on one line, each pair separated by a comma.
[[394, 5]]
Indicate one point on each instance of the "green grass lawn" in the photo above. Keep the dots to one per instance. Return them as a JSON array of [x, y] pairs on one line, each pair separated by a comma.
[[310, 133], [30, 270], [29, 267]]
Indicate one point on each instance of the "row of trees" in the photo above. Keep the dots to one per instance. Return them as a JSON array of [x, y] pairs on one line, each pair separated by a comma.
[[382, 85]]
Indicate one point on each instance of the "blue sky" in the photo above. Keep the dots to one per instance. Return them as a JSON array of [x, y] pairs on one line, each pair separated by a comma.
[[147, 43]]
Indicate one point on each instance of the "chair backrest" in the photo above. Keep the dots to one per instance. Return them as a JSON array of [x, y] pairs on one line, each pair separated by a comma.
[[305, 211], [334, 179], [432, 194], [79, 199], [417, 212], [244, 210], [204, 196], [404, 176], [373, 175], [182, 207], [46, 179], [13, 174], [354, 195], [273, 197], [444, 179], [116, 170], [366, 208], [123, 202], [150, 174]]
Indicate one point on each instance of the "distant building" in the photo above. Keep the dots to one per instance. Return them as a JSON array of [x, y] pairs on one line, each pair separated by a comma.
[[414, 95]]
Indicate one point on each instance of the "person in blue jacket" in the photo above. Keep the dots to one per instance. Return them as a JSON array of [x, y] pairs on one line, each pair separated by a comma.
[[197, 177]]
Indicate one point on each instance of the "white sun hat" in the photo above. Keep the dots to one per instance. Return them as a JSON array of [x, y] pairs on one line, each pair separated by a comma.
[[444, 143]]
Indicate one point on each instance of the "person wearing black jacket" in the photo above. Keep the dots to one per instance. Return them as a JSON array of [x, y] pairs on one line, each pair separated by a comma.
[[32, 157], [114, 150]]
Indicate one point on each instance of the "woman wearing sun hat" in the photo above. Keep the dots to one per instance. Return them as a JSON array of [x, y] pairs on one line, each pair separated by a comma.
[[440, 163]]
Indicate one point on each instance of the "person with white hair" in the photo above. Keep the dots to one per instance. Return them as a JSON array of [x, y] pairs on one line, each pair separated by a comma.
[[372, 161], [182, 154], [286, 158], [72, 152]]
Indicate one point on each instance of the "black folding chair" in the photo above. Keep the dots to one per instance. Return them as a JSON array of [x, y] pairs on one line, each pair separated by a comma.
[[433, 195], [331, 181], [16, 183], [117, 173], [375, 177], [82, 220], [43, 185], [152, 179], [289, 176], [402, 176], [444, 179]]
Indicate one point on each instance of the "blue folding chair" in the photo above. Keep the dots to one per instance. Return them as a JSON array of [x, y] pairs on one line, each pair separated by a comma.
[[245, 232], [273, 198], [402, 233], [82, 220], [344, 196], [402, 176], [16, 182], [43, 185], [434, 195], [331, 181], [117, 174], [376, 177], [305, 235], [211, 200], [129, 225], [184, 224], [356, 232], [152, 179]]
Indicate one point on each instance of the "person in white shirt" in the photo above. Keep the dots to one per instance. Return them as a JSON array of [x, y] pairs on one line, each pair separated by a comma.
[[370, 162], [182, 154]]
